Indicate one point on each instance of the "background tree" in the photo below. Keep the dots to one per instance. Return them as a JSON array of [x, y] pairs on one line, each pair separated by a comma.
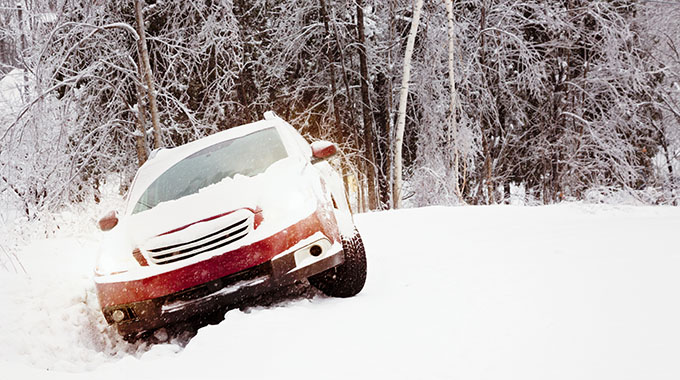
[[550, 100], [403, 98]]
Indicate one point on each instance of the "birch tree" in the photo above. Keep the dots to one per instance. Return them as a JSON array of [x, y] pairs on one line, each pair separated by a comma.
[[403, 97], [453, 123]]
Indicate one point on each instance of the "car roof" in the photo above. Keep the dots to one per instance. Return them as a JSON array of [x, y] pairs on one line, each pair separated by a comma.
[[165, 158]]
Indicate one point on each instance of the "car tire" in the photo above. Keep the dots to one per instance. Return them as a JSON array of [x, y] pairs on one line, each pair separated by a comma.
[[348, 278]]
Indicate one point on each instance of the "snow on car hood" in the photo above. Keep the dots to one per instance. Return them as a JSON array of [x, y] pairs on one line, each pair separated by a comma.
[[285, 192]]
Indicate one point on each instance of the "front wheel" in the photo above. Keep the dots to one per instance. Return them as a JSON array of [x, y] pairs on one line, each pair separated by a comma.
[[348, 278]]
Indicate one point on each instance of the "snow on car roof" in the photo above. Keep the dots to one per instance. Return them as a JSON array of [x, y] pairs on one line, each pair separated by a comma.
[[167, 157]]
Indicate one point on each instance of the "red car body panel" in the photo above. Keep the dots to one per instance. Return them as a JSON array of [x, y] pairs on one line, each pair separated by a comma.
[[232, 261]]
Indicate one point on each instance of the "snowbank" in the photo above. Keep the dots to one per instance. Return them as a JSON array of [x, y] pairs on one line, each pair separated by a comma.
[[498, 292]]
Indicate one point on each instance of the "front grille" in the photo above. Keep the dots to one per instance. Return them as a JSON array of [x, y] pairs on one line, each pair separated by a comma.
[[207, 243]]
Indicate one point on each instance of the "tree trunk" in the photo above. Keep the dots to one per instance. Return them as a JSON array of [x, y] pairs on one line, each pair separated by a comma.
[[148, 74], [490, 199], [487, 146], [331, 69], [351, 130], [453, 123], [403, 97], [383, 89], [348, 89], [387, 132], [23, 52], [140, 137], [339, 130], [368, 148]]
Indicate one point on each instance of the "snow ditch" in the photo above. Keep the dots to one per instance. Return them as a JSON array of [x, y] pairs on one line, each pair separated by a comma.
[[51, 317], [569, 291]]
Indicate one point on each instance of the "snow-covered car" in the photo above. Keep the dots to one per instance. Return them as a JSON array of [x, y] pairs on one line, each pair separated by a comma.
[[225, 218]]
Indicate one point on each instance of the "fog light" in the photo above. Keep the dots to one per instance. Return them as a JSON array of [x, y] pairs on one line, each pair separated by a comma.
[[315, 250], [118, 316]]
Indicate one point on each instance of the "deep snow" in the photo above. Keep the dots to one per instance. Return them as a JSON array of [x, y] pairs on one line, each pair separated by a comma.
[[501, 292]]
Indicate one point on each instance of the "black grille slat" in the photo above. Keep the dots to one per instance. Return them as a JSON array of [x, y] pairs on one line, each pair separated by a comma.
[[206, 250], [175, 253], [206, 243], [199, 239]]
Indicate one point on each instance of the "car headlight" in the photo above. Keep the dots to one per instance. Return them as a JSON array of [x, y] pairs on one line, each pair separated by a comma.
[[115, 255], [113, 263]]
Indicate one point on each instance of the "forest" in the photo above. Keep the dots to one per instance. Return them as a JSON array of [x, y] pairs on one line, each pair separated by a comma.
[[431, 102]]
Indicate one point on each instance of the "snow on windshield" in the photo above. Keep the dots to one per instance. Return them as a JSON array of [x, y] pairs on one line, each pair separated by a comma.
[[248, 155]]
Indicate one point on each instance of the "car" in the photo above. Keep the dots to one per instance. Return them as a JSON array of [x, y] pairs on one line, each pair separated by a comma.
[[223, 219]]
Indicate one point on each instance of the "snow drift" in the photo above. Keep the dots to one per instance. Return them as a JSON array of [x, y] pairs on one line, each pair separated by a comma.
[[500, 292]]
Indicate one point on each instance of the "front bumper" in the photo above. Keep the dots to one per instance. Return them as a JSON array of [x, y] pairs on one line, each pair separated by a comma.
[[296, 263]]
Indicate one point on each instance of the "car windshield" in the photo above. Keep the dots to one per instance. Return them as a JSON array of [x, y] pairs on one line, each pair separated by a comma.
[[248, 155]]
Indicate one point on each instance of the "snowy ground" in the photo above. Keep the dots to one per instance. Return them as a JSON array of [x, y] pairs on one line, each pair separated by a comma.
[[560, 292]]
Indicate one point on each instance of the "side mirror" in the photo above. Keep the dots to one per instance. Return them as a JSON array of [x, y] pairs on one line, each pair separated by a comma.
[[323, 149], [108, 221]]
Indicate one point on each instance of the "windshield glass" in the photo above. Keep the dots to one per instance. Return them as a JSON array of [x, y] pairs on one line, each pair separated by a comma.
[[248, 155]]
